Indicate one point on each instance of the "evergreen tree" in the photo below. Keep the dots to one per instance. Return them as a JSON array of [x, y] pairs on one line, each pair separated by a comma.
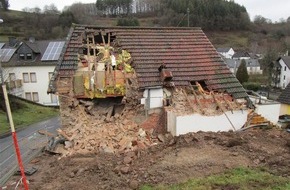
[[242, 73], [208, 14], [66, 18], [4, 4]]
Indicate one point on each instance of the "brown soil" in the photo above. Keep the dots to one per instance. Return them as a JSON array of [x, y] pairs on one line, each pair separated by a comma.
[[174, 160]]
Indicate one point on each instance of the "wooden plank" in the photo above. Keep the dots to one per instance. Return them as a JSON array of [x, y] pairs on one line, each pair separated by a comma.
[[197, 100], [188, 100]]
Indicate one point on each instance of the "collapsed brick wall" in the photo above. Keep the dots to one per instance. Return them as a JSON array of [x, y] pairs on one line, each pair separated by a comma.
[[188, 101]]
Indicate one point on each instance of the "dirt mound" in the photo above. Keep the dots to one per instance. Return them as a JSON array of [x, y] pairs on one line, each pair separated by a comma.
[[173, 160]]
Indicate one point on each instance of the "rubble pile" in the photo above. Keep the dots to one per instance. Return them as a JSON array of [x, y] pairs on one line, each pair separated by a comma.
[[132, 96], [90, 126], [112, 134]]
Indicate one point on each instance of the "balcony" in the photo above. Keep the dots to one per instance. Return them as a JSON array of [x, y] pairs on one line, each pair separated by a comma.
[[14, 84]]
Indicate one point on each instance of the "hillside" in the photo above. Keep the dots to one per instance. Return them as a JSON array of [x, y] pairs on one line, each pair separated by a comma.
[[258, 38]]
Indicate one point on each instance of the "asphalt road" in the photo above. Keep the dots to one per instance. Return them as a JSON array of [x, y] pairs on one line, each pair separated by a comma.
[[50, 125], [29, 140]]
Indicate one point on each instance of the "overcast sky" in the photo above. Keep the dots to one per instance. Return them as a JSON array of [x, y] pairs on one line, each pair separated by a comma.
[[271, 9]]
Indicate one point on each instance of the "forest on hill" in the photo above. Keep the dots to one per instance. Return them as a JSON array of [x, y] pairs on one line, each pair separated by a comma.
[[226, 23]]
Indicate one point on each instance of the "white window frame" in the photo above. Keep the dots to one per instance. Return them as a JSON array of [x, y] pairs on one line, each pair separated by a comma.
[[25, 79], [28, 96], [35, 96], [33, 78]]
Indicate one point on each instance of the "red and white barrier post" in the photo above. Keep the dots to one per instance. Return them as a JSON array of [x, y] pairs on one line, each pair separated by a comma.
[[17, 150]]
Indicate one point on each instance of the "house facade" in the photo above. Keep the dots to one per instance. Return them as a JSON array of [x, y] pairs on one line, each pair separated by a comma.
[[253, 65], [28, 67], [284, 68], [226, 52]]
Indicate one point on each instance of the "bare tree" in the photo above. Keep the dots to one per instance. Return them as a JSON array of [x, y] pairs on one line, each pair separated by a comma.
[[50, 9]]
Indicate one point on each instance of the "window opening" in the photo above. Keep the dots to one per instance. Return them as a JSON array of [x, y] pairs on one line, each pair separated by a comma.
[[28, 96], [33, 77], [25, 77]]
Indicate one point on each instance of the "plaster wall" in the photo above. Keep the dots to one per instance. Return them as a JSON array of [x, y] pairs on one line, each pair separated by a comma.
[[179, 125], [269, 111], [41, 84]]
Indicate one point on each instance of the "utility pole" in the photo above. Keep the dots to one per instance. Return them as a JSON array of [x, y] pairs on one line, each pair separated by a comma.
[[14, 136]]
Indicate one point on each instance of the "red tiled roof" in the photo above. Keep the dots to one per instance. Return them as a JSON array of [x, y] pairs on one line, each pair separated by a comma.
[[187, 52]]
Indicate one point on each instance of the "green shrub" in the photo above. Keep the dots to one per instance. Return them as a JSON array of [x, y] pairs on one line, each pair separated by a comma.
[[252, 86], [128, 22]]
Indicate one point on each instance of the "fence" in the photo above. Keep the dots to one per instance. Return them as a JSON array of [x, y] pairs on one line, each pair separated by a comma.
[[30, 146]]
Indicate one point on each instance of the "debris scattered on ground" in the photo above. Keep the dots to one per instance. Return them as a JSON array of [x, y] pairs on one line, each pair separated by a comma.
[[28, 171], [179, 158]]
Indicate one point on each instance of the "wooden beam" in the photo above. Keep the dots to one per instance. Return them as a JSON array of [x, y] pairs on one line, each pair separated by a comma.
[[196, 99]]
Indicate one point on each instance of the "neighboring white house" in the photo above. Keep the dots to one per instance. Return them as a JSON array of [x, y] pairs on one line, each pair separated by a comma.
[[28, 66], [284, 63], [226, 52], [253, 65]]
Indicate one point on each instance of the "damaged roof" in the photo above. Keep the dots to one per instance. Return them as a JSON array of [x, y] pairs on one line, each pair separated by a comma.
[[187, 52]]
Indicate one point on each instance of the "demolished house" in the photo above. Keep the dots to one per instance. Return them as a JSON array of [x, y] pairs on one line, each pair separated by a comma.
[[119, 87]]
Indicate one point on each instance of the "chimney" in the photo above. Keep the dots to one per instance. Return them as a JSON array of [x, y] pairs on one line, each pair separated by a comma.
[[32, 39], [12, 41]]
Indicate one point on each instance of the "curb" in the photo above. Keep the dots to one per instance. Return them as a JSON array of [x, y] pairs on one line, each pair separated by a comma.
[[7, 134]]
